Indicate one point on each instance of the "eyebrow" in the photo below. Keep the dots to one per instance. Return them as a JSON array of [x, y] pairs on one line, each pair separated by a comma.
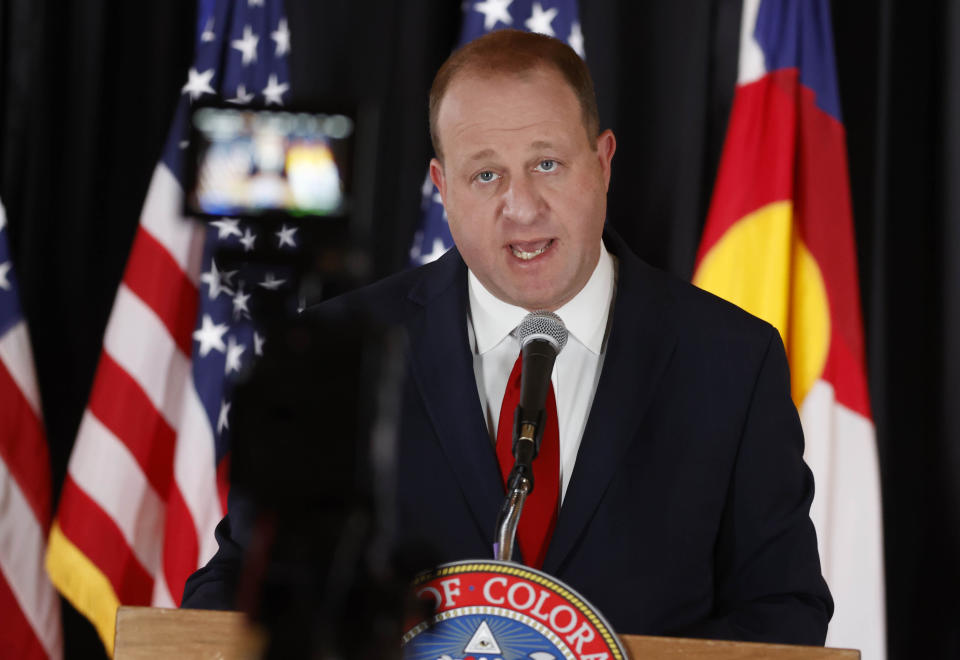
[[486, 153], [480, 155], [542, 144]]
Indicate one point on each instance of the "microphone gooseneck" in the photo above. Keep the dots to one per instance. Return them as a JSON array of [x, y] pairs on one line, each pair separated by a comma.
[[542, 336]]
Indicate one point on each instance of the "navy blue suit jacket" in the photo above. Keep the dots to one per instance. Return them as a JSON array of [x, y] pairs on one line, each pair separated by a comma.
[[687, 511]]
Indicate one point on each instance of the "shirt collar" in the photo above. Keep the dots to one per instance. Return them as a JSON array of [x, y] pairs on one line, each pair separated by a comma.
[[585, 315]]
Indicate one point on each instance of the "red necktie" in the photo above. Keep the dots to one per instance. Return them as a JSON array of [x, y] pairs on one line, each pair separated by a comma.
[[540, 510]]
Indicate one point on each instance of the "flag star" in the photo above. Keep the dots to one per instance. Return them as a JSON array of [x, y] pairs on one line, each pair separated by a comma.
[[234, 351], [541, 19], [208, 34], [415, 248], [426, 190], [258, 342], [576, 39], [493, 11], [218, 281], [286, 236], [247, 239], [227, 227], [247, 45], [255, 3], [198, 84], [227, 277], [273, 92], [243, 97], [271, 283], [438, 250], [240, 299], [210, 336], [438, 200], [4, 282], [222, 418], [282, 36]]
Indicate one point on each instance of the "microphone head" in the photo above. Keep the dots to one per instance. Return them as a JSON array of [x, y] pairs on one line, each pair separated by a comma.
[[542, 325]]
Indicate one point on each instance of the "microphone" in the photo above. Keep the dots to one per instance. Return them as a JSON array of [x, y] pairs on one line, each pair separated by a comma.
[[542, 336]]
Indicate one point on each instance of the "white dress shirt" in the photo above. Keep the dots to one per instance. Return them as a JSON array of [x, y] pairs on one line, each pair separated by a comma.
[[576, 371]]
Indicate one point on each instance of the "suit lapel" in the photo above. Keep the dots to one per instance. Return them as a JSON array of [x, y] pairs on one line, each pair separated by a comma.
[[443, 370], [639, 348]]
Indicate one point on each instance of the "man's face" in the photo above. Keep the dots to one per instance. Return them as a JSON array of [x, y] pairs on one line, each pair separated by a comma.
[[525, 190]]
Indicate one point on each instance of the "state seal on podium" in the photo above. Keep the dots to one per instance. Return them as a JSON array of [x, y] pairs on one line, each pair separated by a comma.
[[496, 610]]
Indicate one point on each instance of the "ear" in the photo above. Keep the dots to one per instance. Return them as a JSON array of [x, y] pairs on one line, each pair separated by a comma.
[[436, 175], [606, 145]]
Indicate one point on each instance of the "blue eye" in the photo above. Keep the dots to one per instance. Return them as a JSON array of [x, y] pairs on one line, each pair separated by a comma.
[[547, 165], [486, 176]]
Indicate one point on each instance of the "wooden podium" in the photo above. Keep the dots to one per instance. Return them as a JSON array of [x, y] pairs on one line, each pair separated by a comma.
[[148, 632]]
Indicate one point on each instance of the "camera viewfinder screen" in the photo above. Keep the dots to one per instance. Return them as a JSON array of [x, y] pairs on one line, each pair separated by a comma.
[[261, 162]]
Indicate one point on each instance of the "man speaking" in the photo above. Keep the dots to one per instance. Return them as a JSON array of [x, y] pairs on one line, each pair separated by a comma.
[[670, 487]]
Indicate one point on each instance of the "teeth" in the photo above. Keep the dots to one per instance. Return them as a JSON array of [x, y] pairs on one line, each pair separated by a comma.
[[526, 256]]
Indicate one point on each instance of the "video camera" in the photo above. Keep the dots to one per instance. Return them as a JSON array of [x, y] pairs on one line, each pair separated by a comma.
[[313, 421]]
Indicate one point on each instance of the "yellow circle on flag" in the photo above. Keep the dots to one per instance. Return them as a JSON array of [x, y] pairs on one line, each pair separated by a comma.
[[762, 265]]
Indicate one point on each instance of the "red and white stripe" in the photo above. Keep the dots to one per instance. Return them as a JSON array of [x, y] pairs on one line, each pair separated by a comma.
[[29, 607], [141, 497]]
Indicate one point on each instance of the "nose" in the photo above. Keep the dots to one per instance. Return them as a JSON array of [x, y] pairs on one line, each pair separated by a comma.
[[522, 202]]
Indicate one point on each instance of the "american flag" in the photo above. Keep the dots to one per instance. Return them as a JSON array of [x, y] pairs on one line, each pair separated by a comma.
[[29, 607], [556, 18], [147, 479]]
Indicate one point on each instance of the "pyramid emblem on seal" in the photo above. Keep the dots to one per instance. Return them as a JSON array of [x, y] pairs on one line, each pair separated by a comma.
[[482, 641]]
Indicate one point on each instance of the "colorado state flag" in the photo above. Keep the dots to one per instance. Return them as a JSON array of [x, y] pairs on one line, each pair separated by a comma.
[[779, 242]]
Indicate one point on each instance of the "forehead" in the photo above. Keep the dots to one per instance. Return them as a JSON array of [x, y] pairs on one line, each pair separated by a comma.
[[479, 105]]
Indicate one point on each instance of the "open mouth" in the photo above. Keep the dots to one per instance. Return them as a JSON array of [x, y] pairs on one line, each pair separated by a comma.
[[530, 249]]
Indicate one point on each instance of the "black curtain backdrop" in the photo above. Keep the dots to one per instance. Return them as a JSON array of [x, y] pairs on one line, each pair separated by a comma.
[[87, 91]]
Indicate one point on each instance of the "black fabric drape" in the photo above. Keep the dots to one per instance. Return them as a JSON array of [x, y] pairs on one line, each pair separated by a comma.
[[664, 74], [88, 89], [899, 74], [84, 127]]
